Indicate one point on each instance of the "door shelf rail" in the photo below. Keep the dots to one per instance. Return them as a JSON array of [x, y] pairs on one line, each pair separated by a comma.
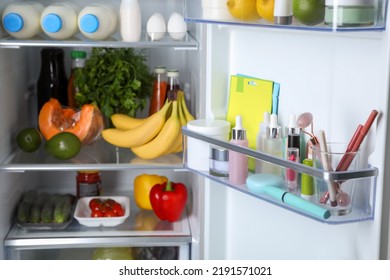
[[364, 180]]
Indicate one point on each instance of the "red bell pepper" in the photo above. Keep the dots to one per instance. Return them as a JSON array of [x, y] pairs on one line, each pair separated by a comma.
[[168, 200]]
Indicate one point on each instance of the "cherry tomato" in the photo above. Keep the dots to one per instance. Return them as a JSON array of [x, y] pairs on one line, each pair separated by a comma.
[[110, 202], [109, 213], [96, 214], [94, 203], [118, 209], [105, 208]]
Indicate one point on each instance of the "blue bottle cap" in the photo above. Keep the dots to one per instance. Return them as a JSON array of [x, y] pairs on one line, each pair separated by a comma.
[[52, 23], [89, 23], [13, 22]]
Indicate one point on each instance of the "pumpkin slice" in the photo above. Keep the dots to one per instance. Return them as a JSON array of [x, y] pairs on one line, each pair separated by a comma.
[[86, 123]]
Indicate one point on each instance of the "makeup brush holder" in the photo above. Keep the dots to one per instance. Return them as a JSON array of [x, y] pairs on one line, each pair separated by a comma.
[[336, 195]]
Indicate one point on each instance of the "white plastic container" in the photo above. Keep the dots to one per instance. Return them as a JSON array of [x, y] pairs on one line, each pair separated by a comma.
[[22, 19], [98, 21], [350, 12], [215, 10], [199, 151], [130, 20], [59, 20]]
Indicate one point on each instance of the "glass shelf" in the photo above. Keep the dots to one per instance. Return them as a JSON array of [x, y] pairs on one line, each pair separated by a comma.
[[133, 232], [99, 155], [187, 43], [371, 17], [365, 180]]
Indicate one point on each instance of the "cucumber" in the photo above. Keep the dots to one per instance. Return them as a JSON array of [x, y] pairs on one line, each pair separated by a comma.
[[48, 209], [23, 211], [35, 212], [62, 212]]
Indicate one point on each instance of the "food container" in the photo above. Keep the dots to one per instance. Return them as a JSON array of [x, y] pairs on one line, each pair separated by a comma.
[[82, 212], [346, 13]]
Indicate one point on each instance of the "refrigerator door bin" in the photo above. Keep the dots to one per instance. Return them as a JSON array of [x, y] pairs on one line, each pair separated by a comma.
[[355, 15], [363, 204]]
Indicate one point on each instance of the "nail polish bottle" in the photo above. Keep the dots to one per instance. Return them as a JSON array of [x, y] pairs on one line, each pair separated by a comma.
[[238, 163], [273, 146]]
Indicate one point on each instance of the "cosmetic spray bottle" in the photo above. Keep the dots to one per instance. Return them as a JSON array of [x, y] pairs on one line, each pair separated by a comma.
[[261, 136], [238, 163], [273, 146]]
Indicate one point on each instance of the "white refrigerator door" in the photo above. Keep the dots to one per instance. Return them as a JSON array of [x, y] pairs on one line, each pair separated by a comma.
[[340, 78]]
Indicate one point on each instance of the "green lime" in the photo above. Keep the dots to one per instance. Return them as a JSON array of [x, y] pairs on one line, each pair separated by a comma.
[[309, 12], [29, 139], [64, 145]]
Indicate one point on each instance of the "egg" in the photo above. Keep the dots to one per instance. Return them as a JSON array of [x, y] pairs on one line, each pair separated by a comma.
[[177, 27], [155, 27]]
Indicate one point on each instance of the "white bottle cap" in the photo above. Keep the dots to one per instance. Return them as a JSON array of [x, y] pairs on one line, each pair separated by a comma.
[[273, 130], [238, 132]]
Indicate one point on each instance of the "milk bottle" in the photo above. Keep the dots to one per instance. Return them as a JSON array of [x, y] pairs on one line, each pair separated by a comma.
[[59, 20], [21, 19], [130, 18], [98, 21]]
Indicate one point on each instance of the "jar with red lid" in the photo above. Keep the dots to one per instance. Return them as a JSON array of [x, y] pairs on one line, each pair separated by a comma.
[[88, 183]]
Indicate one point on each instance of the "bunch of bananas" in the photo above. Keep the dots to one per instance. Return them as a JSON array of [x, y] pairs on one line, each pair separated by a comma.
[[154, 136]]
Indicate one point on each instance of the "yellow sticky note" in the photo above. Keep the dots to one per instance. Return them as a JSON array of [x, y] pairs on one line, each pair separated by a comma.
[[250, 98]]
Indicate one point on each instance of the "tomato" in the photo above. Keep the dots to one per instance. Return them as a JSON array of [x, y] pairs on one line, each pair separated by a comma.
[[105, 208], [96, 214], [118, 209], [109, 213], [95, 203], [110, 202]]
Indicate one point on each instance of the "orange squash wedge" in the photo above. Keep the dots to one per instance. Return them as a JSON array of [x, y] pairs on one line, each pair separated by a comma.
[[86, 123]]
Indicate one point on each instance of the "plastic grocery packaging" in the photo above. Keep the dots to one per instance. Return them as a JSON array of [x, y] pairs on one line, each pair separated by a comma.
[[98, 21], [59, 20], [22, 19], [130, 20]]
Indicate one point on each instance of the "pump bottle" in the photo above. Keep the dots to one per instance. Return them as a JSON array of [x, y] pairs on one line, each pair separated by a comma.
[[238, 163]]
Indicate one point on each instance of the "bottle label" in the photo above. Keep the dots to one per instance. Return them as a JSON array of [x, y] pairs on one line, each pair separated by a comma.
[[85, 189]]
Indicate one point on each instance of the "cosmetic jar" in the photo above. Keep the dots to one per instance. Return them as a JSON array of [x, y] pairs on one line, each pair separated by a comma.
[[198, 152], [346, 13], [219, 161]]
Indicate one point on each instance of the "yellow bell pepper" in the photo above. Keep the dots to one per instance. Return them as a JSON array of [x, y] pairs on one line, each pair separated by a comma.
[[142, 185]]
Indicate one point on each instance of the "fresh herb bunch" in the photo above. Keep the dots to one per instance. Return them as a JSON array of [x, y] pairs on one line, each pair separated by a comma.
[[115, 80]]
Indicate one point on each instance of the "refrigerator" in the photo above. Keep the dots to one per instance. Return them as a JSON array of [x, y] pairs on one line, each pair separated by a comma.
[[339, 74]]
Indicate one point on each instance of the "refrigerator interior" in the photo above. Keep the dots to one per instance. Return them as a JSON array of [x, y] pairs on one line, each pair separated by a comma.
[[19, 69]]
